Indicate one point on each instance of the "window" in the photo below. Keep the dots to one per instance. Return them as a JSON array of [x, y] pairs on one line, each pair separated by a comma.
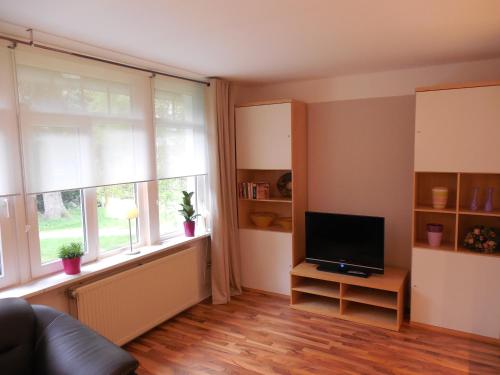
[[61, 220], [113, 205], [170, 197], [94, 143]]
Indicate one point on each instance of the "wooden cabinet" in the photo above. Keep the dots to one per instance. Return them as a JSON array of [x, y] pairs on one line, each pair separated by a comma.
[[457, 146], [458, 130], [271, 142], [457, 291], [377, 300], [263, 136], [266, 259]]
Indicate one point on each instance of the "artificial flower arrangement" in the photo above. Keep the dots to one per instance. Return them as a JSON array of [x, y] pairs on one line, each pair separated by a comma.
[[481, 239]]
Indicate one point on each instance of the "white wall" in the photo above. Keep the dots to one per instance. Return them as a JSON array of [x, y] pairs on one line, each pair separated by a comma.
[[371, 85]]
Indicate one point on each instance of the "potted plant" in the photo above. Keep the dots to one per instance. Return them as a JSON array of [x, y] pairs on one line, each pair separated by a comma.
[[188, 213], [71, 257]]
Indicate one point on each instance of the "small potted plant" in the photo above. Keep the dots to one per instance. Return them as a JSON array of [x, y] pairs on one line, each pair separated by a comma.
[[188, 213], [71, 257]]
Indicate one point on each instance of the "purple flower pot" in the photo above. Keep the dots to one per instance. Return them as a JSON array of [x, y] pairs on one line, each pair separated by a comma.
[[434, 234], [71, 266], [189, 227]]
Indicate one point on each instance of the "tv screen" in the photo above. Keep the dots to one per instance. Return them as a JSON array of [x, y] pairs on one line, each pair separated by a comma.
[[345, 241]]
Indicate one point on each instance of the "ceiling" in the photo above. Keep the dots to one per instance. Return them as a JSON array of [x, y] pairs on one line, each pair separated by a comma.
[[274, 40]]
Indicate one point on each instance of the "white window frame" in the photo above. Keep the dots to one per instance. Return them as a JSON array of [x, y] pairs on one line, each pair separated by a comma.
[[8, 244], [166, 236], [141, 240], [37, 267]]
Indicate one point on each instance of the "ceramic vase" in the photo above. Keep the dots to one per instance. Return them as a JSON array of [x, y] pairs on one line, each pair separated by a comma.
[[488, 206], [474, 201], [434, 234], [439, 197]]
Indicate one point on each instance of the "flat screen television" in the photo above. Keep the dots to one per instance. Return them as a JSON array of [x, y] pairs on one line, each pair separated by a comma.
[[345, 243]]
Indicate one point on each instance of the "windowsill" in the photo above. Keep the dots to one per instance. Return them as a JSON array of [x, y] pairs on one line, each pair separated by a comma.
[[101, 266]]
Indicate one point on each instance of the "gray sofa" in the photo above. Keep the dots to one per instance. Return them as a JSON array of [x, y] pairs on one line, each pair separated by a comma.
[[40, 340]]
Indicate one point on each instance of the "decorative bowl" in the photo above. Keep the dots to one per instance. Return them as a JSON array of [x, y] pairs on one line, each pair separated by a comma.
[[284, 222], [262, 219]]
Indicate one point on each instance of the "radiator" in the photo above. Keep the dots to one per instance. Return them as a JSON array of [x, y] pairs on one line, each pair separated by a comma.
[[123, 306]]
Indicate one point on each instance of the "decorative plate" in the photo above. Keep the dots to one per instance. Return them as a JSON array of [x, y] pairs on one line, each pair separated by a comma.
[[284, 185]]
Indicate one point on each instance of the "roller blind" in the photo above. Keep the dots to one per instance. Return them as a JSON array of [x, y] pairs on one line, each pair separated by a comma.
[[10, 169], [83, 124], [180, 127]]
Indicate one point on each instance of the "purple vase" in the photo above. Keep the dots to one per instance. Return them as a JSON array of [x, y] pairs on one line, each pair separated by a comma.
[[473, 203], [488, 206]]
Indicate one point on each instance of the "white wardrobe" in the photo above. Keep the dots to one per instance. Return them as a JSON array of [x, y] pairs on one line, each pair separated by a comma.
[[457, 145], [271, 141]]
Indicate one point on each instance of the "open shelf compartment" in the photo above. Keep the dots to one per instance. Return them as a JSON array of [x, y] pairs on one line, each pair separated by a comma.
[[316, 287], [425, 181], [316, 304], [369, 296], [420, 230], [482, 181], [374, 315], [276, 204], [467, 223]]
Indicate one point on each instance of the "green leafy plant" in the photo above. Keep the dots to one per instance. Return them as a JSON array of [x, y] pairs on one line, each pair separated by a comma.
[[187, 208], [70, 251]]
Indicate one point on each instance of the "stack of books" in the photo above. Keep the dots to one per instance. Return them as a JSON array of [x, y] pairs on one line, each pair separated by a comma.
[[254, 190]]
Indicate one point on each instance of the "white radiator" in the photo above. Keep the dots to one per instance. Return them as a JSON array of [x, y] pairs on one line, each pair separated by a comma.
[[125, 305]]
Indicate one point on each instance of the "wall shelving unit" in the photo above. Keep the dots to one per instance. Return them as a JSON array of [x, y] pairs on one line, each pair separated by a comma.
[[457, 218]]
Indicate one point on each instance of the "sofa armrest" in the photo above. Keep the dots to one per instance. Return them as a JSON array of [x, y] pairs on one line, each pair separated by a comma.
[[65, 346]]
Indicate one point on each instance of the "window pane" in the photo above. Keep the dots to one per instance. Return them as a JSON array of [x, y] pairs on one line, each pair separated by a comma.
[[113, 205], [60, 221], [169, 199]]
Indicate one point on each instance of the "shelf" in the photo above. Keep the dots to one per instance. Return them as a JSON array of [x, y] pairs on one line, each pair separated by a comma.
[[373, 297], [462, 249], [272, 200], [444, 246], [272, 228], [449, 229], [318, 305], [376, 316], [318, 287], [495, 213], [391, 280], [435, 210], [425, 181]]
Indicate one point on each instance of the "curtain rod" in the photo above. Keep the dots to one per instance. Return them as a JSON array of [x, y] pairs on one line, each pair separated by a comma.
[[88, 57]]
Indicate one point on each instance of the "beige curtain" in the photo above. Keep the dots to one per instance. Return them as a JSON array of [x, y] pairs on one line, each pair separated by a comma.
[[225, 255]]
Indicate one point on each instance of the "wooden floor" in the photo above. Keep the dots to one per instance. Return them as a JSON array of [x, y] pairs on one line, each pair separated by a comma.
[[260, 334]]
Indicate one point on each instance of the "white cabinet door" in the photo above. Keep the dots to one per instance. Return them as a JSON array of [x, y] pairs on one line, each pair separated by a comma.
[[266, 260], [458, 130], [263, 137], [456, 291]]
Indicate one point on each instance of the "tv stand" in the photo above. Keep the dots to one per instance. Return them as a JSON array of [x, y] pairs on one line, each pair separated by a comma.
[[356, 273], [377, 300]]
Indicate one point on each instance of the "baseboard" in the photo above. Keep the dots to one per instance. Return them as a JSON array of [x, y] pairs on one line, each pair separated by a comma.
[[453, 332], [245, 289]]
